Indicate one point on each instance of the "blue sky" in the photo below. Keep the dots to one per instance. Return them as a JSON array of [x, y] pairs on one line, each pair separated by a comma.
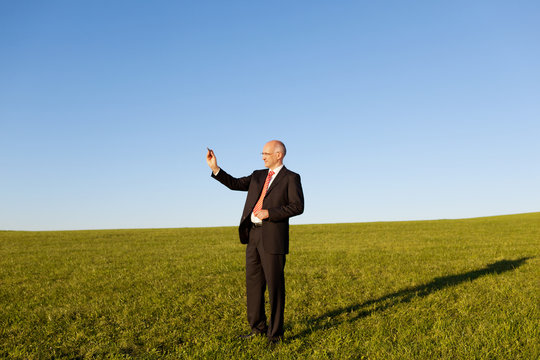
[[390, 110]]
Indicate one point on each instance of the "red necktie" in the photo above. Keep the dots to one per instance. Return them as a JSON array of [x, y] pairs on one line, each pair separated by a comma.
[[258, 205]]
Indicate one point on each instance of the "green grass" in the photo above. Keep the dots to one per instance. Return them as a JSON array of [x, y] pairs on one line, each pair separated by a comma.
[[447, 289]]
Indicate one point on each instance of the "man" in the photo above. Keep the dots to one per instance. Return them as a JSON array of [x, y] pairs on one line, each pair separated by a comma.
[[274, 195]]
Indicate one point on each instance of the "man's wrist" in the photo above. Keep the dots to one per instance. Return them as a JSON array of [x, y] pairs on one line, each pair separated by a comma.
[[215, 171]]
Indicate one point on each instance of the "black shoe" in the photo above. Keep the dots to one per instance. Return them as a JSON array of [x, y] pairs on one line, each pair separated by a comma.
[[251, 335]]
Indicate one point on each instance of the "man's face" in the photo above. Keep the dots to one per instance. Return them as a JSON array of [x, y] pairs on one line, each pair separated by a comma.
[[270, 157]]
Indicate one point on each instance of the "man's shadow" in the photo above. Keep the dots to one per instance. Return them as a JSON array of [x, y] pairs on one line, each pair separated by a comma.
[[330, 319]]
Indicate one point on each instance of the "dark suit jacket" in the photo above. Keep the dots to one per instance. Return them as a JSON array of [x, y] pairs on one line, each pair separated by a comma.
[[284, 199]]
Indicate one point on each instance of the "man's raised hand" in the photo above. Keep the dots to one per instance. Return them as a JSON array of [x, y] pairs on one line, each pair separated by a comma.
[[212, 161]]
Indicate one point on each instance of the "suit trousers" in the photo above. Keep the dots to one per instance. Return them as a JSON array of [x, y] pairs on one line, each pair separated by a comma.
[[264, 269]]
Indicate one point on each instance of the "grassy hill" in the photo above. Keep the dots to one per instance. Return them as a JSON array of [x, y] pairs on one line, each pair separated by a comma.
[[446, 289]]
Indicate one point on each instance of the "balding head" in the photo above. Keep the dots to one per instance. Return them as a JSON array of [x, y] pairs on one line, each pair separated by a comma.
[[273, 153], [278, 146]]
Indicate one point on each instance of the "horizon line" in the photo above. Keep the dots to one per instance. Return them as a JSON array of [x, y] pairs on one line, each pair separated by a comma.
[[306, 224]]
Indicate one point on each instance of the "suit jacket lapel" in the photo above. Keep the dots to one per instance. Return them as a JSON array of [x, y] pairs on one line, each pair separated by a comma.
[[279, 176], [261, 178]]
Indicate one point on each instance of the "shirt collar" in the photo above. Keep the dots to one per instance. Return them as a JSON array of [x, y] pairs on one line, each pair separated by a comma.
[[276, 170]]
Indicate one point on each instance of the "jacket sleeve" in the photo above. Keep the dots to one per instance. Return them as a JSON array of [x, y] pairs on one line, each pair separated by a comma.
[[240, 184], [295, 204]]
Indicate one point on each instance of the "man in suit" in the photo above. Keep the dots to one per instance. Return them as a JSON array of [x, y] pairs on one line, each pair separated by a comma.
[[274, 195]]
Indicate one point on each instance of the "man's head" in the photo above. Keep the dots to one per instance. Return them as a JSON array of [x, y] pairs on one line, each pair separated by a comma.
[[273, 153]]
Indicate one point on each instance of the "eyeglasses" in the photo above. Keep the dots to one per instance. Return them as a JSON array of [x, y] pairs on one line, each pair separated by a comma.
[[268, 154]]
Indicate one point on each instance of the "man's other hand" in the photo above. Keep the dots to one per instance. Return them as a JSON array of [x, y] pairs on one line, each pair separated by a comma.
[[261, 214]]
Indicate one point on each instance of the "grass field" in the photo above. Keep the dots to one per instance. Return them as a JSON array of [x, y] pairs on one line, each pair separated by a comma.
[[447, 289]]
